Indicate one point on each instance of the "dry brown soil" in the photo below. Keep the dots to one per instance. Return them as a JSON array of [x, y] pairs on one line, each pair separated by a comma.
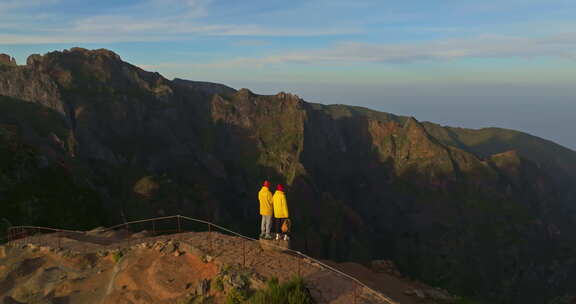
[[84, 268]]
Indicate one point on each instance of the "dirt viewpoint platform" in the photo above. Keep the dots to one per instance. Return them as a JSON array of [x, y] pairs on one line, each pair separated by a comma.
[[120, 267]]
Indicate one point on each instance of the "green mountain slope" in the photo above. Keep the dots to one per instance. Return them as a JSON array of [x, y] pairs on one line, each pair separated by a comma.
[[36, 185], [486, 213]]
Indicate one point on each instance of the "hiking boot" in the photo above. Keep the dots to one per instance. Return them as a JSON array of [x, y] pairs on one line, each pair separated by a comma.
[[262, 236], [277, 236], [286, 238]]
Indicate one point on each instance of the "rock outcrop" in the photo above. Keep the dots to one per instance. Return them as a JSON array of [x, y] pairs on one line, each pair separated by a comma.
[[208, 88], [7, 60], [94, 267], [83, 131]]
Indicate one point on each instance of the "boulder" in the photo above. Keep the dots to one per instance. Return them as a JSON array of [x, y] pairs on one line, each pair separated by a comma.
[[235, 281], [141, 246], [409, 292], [385, 266], [419, 293], [159, 246], [170, 248], [188, 248], [203, 287], [33, 247], [257, 281], [233, 278], [438, 295], [207, 258], [96, 231]]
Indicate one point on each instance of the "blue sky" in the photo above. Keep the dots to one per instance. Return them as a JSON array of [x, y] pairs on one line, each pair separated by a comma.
[[508, 63]]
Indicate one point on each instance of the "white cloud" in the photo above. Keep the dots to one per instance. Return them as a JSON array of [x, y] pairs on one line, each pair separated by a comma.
[[168, 9], [486, 46], [12, 5], [113, 26], [137, 32], [152, 16], [11, 39], [250, 42], [148, 21]]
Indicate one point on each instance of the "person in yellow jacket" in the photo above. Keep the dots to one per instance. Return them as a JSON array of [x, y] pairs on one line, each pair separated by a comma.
[[266, 210], [280, 210]]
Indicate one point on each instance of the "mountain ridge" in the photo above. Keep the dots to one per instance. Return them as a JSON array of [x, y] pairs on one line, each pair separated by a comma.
[[365, 185]]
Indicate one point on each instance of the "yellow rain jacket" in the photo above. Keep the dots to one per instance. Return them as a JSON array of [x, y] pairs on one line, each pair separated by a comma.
[[280, 205], [265, 198]]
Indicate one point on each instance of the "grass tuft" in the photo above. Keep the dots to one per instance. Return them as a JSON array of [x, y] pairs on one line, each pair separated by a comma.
[[293, 291], [117, 256]]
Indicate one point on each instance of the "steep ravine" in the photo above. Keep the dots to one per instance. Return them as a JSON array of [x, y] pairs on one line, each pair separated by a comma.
[[485, 213]]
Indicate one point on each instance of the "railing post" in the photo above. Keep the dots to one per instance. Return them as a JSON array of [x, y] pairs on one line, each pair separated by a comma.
[[355, 289], [299, 258], [243, 252], [154, 227], [210, 236], [178, 219]]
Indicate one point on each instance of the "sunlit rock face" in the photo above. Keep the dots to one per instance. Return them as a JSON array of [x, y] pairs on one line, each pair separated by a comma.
[[482, 212]]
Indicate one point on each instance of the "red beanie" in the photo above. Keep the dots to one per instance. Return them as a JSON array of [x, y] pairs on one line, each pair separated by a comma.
[[280, 187], [266, 184]]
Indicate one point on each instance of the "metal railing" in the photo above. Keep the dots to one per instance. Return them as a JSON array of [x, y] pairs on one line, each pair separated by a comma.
[[24, 235]]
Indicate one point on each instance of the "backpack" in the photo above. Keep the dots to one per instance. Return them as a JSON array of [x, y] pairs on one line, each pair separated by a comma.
[[285, 226]]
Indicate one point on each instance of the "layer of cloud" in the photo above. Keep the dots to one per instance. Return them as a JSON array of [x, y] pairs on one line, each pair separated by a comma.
[[116, 26], [147, 21], [487, 46], [13, 5], [133, 32]]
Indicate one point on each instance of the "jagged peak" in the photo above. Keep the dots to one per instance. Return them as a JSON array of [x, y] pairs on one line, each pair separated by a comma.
[[95, 52], [412, 122], [284, 95], [411, 119], [33, 59], [244, 92], [36, 59], [205, 86], [6, 59]]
